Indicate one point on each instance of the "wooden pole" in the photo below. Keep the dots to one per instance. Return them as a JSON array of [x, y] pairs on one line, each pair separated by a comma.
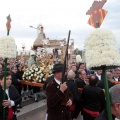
[[97, 24], [8, 31], [5, 70], [4, 92], [108, 105], [65, 58]]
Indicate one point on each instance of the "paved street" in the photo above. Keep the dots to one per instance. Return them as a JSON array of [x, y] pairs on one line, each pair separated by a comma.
[[33, 110], [37, 114]]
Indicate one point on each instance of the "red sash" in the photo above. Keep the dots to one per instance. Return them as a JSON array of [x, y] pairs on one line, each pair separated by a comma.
[[92, 113], [10, 113], [72, 107]]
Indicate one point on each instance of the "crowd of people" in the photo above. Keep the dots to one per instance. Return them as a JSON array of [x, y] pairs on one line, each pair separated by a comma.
[[15, 69], [90, 103], [64, 100]]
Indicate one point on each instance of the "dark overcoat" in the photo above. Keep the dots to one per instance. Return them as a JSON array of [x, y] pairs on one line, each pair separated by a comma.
[[103, 116], [76, 97], [14, 96], [57, 110]]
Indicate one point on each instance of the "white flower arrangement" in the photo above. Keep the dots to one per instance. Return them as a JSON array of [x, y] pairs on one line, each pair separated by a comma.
[[7, 47], [37, 73], [101, 49]]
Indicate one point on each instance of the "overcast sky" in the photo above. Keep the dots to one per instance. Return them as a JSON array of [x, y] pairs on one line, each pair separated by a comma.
[[57, 17]]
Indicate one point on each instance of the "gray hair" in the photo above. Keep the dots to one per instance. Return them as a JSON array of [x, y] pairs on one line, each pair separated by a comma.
[[115, 94], [71, 74], [116, 70], [109, 75]]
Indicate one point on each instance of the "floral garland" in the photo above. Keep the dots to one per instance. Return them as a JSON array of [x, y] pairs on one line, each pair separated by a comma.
[[37, 73], [7, 47], [101, 49]]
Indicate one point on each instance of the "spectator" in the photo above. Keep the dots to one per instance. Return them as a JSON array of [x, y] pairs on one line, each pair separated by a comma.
[[76, 95], [73, 68], [115, 104], [110, 81], [12, 98], [16, 81], [81, 80], [98, 73], [19, 75], [93, 99], [116, 74]]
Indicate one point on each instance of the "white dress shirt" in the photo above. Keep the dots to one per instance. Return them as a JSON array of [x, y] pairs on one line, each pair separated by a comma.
[[57, 81], [99, 76], [116, 79], [12, 102]]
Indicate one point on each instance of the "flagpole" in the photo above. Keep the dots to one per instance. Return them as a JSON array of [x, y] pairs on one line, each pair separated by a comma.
[[4, 93], [107, 93], [8, 32], [8, 26], [106, 87]]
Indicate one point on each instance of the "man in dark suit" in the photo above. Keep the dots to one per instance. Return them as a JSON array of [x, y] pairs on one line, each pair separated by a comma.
[[115, 104], [58, 96], [110, 81], [98, 73], [12, 98], [93, 99], [75, 108], [81, 80], [116, 74], [47, 81]]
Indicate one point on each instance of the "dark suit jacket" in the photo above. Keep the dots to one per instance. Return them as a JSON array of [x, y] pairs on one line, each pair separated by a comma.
[[74, 90], [14, 95], [80, 83], [103, 116], [19, 74], [100, 84], [50, 78], [55, 100], [93, 98], [15, 80], [76, 97], [118, 79]]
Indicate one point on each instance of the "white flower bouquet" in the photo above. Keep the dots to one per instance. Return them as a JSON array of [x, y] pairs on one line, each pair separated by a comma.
[[37, 73], [8, 47], [101, 49]]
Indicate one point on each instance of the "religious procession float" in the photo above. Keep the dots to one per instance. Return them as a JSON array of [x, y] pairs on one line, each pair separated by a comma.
[[43, 55]]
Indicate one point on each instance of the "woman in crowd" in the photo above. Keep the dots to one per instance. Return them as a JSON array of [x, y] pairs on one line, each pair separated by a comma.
[[19, 75], [12, 98]]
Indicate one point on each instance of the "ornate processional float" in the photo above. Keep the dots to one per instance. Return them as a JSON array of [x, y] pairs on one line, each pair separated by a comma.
[[42, 57]]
